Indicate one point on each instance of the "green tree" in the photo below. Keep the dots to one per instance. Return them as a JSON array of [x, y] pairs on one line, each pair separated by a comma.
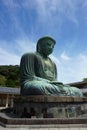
[[10, 83], [85, 79], [11, 74], [2, 80]]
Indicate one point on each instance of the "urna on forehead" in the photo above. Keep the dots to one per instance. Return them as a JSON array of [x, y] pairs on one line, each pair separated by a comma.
[[46, 38]]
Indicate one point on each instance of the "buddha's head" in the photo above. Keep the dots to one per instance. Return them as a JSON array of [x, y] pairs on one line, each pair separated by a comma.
[[45, 45]]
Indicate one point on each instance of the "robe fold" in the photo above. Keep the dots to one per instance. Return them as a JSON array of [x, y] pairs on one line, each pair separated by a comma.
[[37, 74]]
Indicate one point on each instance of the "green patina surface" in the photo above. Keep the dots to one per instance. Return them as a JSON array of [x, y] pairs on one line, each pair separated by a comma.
[[38, 73]]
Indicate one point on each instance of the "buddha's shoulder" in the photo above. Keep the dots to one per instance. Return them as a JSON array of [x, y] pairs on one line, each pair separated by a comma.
[[29, 55]]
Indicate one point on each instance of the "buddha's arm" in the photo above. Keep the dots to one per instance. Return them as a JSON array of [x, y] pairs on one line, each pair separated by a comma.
[[27, 71]]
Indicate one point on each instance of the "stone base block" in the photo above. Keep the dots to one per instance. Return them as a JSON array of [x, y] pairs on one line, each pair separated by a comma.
[[50, 107]]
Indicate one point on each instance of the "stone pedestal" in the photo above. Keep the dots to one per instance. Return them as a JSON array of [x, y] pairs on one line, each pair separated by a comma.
[[50, 107], [46, 112]]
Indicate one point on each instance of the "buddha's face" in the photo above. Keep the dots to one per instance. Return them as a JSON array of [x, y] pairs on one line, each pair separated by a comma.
[[47, 47]]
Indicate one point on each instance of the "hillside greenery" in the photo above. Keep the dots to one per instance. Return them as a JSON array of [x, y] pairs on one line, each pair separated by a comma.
[[9, 76], [85, 79]]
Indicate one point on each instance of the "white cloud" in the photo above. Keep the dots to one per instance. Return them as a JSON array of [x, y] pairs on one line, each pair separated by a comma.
[[25, 45], [48, 10], [11, 54], [57, 9], [7, 58], [53, 10], [48, 13], [74, 70], [64, 56]]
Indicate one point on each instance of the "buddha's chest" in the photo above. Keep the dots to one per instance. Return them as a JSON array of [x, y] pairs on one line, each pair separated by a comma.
[[48, 68], [47, 64]]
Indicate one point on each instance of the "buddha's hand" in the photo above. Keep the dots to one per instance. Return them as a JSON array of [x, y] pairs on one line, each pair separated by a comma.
[[42, 79]]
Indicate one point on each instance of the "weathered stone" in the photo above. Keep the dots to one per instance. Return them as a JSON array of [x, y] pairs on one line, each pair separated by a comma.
[[49, 106], [41, 98]]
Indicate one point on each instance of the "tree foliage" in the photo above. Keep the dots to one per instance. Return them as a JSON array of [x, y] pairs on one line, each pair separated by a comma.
[[9, 76], [2, 80], [85, 79]]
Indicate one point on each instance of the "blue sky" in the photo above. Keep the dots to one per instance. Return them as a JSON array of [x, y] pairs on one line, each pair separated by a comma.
[[23, 22]]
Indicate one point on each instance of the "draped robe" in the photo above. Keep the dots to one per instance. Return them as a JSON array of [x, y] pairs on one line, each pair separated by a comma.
[[38, 76]]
